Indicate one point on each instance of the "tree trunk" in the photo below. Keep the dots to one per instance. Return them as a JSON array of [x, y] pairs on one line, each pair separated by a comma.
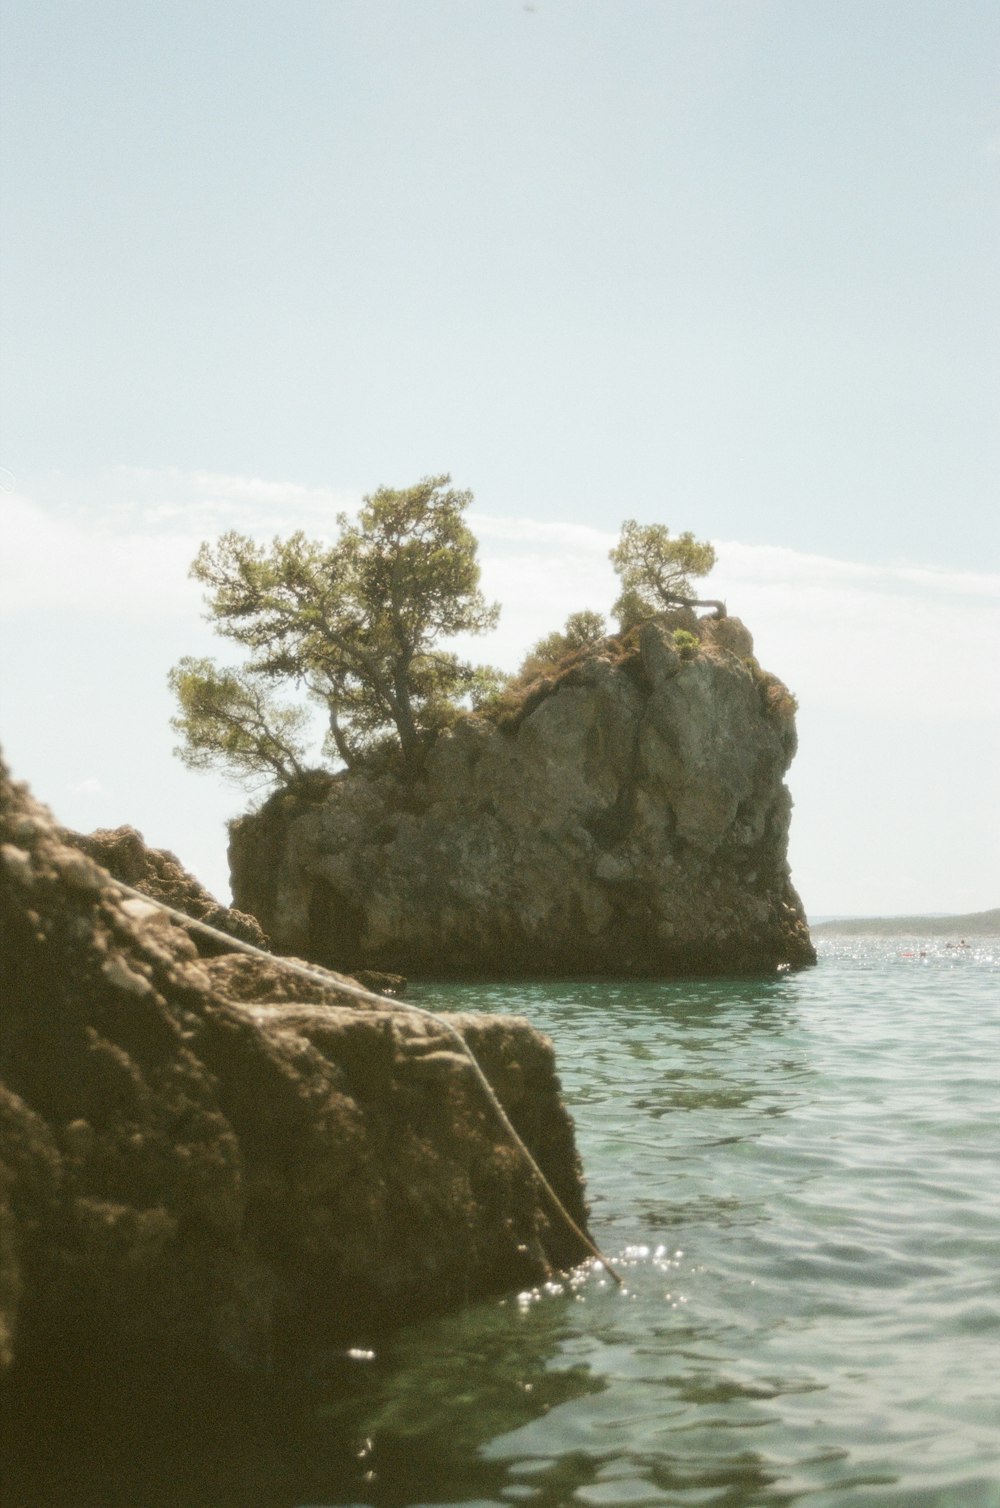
[[720, 607], [340, 740]]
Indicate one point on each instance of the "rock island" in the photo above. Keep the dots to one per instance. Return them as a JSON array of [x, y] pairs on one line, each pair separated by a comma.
[[624, 815]]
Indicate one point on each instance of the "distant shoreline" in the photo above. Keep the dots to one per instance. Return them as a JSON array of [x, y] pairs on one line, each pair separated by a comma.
[[971, 924]]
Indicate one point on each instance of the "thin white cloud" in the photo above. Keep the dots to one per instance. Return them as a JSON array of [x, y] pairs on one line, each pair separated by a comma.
[[257, 489], [742, 562], [122, 543], [871, 640], [201, 502], [578, 539], [253, 504], [58, 561]]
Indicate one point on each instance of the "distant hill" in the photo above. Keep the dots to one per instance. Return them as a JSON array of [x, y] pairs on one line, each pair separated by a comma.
[[973, 924]]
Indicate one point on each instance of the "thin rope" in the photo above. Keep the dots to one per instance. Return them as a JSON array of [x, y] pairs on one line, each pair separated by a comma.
[[348, 987]]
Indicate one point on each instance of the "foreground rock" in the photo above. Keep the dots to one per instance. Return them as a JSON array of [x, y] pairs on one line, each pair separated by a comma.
[[160, 875], [628, 816], [211, 1162]]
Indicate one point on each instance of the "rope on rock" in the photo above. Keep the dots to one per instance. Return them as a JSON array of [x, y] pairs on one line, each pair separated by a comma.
[[341, 986]]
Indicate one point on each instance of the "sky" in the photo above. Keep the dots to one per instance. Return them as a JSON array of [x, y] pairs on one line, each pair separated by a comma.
[[729, 265]]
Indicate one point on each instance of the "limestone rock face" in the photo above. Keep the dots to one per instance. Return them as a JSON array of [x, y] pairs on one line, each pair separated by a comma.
[[211, 1162], [628, 817]]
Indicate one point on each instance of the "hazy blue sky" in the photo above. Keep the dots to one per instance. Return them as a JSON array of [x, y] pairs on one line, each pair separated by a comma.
[[732, 266]]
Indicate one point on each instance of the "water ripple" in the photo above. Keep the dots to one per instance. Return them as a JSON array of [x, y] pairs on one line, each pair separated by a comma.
[[799, 1178]]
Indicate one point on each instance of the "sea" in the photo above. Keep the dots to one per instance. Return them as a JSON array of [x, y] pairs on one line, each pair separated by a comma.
[[798, 1181]]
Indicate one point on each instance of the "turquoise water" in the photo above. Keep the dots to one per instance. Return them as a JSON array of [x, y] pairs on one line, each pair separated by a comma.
[[800, 1180]]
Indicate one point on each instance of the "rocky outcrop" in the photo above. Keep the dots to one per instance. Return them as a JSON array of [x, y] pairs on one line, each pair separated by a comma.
[[625, 816], [214, 1162], [159, 874]]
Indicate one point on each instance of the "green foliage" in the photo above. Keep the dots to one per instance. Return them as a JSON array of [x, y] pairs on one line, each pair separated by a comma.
[[357, 625], [231, 717], [582, 630], [685, 643], [655, 570]]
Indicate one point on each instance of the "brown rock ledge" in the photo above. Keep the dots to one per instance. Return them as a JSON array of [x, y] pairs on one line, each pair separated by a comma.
[[202, 1164]]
